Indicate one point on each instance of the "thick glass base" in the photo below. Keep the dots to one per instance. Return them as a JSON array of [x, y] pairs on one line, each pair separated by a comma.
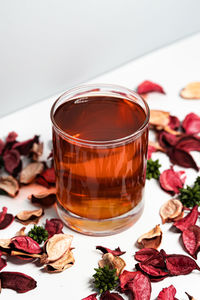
[[100, 227]]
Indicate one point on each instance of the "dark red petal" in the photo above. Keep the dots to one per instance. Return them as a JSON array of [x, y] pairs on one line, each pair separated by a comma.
[[188, 220], [91, 297], [26, 244], [156, 260], [167, 293], [151, 270], [49, 175], [140, 287], [191, 240], [116, 252], [3, 262], [3, 213], [46, 201], [40, 180], [178, 264], [53, 226], [191, 123], [148, 87], [181, 158], [171, 181], [25, 146], [124, 278], [111, 296], [188, 143], [12, 162], [145, 253], [9, 218], [11, 137], [19, 282], [1, 146], [167, 140], [174, 122]]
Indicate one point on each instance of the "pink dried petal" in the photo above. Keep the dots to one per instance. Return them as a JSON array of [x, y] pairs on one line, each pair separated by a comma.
[[11, 137], [19, 282], [171, 181], [3, 213], [156, 260], [125, 278], [111, 296], [178, 264], [26, 244], [12, 162], [91, 297], [148, 87], [174, 122], [167, 140], [116, 252], [188, 220], [167, 293], [53, 226], [191, 123], [181, 158], [191, 240], [151, 270], [151, 149], [188, 143], [140, 287], [145, 253], [9, 218], [25, 147]]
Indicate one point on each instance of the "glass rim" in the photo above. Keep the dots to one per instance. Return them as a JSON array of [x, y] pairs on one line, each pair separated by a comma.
[[100, 86]]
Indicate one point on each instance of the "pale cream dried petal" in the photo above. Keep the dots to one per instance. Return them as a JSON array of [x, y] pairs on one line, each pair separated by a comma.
[[65, 262], [21, 232], [30, 216], [29, 173], [9, 185], [191, 91], [114, 262], [156, 145], [36, 151], [171, 210], [5, 243], [151, 239], [57, 246], [159, 118]]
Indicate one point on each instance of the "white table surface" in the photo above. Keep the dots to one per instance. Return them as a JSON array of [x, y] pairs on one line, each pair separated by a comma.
[[173, 67]]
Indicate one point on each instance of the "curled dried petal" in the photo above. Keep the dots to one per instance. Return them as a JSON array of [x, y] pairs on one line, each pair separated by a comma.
[[110, 296], [191, 123], [21, 232], [114, 262], [151, 270], [159, 118], [45, 199], [116, 252], [167, 293], [3, 262], [36, 151], [65, 262], [11, 137], [151, 239], [91, 297], [191, 240], [182, 158], [26, 244], [54, 226], [29, 173], [12, 162], [9, 185], [47, 177], [30, 216], [171, 210], [148, 87], [178, 264], [25, 147], [174, 122], [5, 244], [19, 282], [188, 220], [153, 147], [140, 287], [145, 253], [172, 181], [191, 91], [6, 221]]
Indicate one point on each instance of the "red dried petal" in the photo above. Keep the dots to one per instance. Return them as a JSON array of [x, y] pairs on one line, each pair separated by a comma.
[[174, 122], [53, 226], [191, 123], [140, 287], [11, 137], [46, 200], [167, 293], [12, 162], [9, 218], [181, 158], [188, 220], [40, 180], [145, 253], [191, 240], [47, 177], [151, 270], [148, 87], [171, 181], [124, 278], [3, 213], [26, 244], [3, 262], [178, 264], [25, 147], [167, 140], [188, 143], [151, 149], [116, 252], [19, 282], [111, 296], [1, 146], [156, 260], [91, 297]]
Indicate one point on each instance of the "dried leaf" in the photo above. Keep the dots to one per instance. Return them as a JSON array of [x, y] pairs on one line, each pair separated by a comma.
[[151, 239], [172, 181], [9, 185], [45, 199], [65, 262], [191, 91], [114, 262], [116, 252], [191, 124], [171, 210], [30, 216], [29, 173]]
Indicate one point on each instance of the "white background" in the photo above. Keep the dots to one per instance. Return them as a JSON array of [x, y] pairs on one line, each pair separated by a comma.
[[47, 46]]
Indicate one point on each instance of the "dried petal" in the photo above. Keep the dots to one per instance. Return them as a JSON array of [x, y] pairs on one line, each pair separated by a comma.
[[11, 137], [46, 198], [191, 91], [191, 123], [2, 145], [36, 151], [5, 244], [25, 147], [124, 278], [65, 262], [29, 216], [3, 262], [181, 158], [6, 221], [29, 173], [91, 297], [116, 252], [191, 240], [47, 177], [178, 264], [151, 270], [174, 122], [140, 287], [159, 118], [21, 232], [151, 239], [148, 87], [153, 147], [167, 140], [19, 282], [188, 143], [111, 296], [26, 244], [167, 293], [145, 253], [12, 162], [171, 181], [171, 210], [114, 262], [9, 185], [57, 246], [3, 213], [188, 220], [54, 226]]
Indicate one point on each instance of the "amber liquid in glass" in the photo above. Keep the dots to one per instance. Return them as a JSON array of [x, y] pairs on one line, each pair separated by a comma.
[[99, 182]]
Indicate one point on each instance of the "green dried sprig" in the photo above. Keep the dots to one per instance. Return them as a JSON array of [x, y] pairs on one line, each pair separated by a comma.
[[197, 181], [38, 233], [153, 169], [190, 196], [105, 279]]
